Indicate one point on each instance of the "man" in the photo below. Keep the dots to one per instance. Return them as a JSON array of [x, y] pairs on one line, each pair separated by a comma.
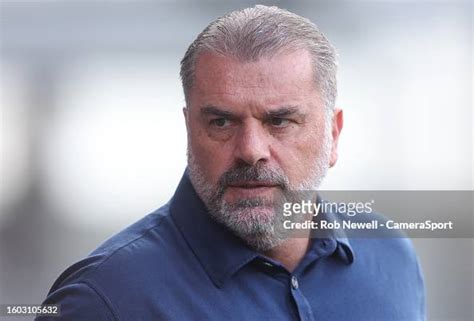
[[260, 89]]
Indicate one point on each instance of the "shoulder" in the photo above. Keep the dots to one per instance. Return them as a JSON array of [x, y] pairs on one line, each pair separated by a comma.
[[386, 261], [79, 301], [122, 265], [147, 234], [388, 252]]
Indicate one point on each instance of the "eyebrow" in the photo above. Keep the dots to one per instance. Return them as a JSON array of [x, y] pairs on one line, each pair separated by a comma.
[[284, 111], [280, 112], [216, 111]]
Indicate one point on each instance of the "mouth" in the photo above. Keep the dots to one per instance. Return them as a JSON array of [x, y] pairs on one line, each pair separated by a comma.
[[253, 185], [249, 190]]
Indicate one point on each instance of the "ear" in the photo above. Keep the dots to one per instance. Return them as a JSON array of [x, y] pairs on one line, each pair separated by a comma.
[[186, 117], [337, 122]]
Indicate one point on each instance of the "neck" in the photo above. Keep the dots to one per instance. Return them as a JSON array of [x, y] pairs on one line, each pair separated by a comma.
[[290, 252]]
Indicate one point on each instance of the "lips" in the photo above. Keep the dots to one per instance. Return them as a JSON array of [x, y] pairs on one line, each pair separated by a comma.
[[252, 184], [249, 190]]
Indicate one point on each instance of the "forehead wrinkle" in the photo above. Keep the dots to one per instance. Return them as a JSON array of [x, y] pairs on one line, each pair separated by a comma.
[[225, 82], [247, 68]]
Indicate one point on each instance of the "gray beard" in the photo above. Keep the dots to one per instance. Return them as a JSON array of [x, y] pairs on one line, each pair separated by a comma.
[[257, 221]]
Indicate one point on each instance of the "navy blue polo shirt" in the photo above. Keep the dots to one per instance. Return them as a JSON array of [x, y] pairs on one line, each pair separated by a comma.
[[179, 264]]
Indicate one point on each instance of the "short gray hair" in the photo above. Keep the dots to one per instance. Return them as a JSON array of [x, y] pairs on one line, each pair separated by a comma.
[[261, 31]]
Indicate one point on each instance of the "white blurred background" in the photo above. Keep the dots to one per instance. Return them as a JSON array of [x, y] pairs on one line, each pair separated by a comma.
[[93, 138]]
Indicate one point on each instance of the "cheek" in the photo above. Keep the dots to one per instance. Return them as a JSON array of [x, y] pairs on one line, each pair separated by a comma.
[[212, 158], [294, 159], [298, 156]]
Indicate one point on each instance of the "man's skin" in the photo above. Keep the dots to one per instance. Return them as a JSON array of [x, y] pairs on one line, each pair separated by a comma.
[[268, 111]]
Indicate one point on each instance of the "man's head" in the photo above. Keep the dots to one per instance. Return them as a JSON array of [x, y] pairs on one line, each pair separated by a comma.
[[260, 87]]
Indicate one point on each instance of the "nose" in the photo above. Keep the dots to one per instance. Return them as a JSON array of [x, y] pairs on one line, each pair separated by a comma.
[[252, 144]]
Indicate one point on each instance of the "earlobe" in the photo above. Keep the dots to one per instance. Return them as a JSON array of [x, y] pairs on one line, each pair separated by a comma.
[[337, 124]]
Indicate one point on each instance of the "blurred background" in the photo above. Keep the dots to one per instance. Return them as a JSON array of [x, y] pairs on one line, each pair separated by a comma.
[[93, 138]]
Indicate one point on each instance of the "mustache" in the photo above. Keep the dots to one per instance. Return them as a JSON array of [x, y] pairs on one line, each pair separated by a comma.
[[239, 174]]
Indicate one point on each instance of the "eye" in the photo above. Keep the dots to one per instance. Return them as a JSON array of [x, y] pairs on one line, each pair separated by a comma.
[[220, 122], [279, 122]]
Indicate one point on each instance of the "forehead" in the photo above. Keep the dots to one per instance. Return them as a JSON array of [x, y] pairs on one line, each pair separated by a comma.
[[285, 78]]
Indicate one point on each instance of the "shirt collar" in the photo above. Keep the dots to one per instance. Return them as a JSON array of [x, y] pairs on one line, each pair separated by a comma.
[[219, 251]]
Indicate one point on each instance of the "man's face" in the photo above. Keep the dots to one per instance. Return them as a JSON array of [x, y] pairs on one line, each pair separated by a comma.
[[256, 131]]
